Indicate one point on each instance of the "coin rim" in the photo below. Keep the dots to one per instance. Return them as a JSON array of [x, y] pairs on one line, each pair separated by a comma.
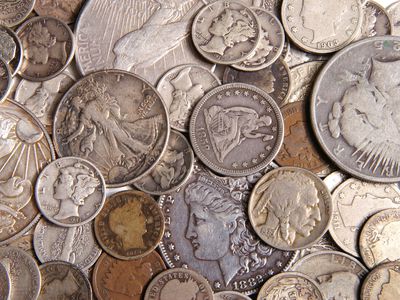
[[9, 82]]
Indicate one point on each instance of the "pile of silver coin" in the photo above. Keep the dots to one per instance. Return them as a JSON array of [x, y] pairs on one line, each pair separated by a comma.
[[200, 149]]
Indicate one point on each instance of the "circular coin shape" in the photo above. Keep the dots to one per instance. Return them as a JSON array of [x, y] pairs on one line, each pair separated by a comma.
[[70, 191], [226, 32], [394, 13], [5, 80], [15, 11], [236, 129], [130, 225], [379, 241], [5, 283], [49, 47], [189, 285], [357, 121], [62, 280], [113, 277], [10, 49], [290, 285], [376, 21], [230, 295], [290, 208], [117, 121], [65, 11]]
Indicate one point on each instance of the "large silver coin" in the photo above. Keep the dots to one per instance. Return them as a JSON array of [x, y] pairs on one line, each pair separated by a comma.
[[357, 120]]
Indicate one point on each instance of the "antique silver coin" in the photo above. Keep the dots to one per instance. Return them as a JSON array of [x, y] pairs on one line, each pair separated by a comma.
[[296, 56], [357, 122], [76, 245], [376, 21], [10, 49], [5, 283], [70, 191], [14, 12], [173, 169], [236, 129], [117, 121], [394, 13], [230, 295], [5, 80]]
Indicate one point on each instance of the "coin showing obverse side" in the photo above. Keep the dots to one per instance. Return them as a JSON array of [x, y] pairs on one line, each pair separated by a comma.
[[236, 129], [114, 278], [49, 47], [5, 80], [230, 295], [10, 49], [130, 225], [173, 169], [76, 245], [376, 21], [357, 121], [15, 12], [190, 285], [117, 121], [354, 202], [5, 283], [23, 271], [62, 280], [181, 88], [290, 285], [65, 11], [379, 241], [394, 13], [338, 275], [321, 26], [290, 208], [70, 191], [226, 32]]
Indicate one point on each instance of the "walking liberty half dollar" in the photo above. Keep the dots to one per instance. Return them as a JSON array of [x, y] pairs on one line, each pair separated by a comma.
[[357, 120]]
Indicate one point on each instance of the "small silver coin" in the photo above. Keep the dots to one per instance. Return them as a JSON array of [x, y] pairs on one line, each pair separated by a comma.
[[14, 12], [10, 49]]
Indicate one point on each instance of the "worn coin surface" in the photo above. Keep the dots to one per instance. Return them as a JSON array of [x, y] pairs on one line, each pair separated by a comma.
[[338, 275], [376, 21], [5, 283], [65, 11], [76, 245], [5, 80], [296, 56], [354, 202], [49, 47], [23, 271], [115, 279], [13, 12], [275, 80], [10, 49], [322, 26], [173, 169], [130, 225], [394, 13], [236, 129], [190, 285], [62, 280], [70, 191], [117, 121], [226, 32], [357, 122], [230, 295], [325, 243], [181, 88], [334, 179]]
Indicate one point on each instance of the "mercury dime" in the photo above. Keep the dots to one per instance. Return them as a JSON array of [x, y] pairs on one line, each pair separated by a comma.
[[376, 21], [130, 225], [354, 202], [5, 80], [62, 280], [236, 129], [13, 12], [64, 10], [10, 49], [230, 295], [394, 13], [117, 121], [172, 170], [181, 88], [5, 283], [226, 32]]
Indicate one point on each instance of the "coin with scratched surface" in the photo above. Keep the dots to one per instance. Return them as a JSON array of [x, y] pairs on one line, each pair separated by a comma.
[[66, 11], [117, 121], [5, 80], [130, 225], [115, 279], [5, 283], [14, 12], [10, 49]]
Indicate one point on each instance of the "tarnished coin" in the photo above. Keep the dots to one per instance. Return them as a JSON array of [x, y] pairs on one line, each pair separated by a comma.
[[207, 230], [117, 121], [236, 129], [354, 202], [130, 225], [5, 80], [173, 169], [338, 275], [70, 191], [290, 208], [269, 47], [115, 279], [394, 13], [290, 285], [275, 80], [357, 121], [179, 281], [181, 88], [24, 242], [230, 295], [62, 280], [49, 47], [333, 180], [226, 32], [272, 6], [23, 271], [10, 49], [14, 12], [322, 26], [325, 243], [379, 241], [383, 283], [25, 149], [76, 245], [5, 283], [376, 21], [296, 56], [65, 11]]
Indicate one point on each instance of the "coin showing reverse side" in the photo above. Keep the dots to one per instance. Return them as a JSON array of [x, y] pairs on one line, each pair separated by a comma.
[[70, 191], [15, 12], [65, 11], [10, 49], [230, 295], [5, 283], [236, 129], [5, 80], [290, 208]]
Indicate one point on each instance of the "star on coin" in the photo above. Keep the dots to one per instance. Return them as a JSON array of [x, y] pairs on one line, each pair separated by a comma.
[[269, 109], [262, 155], [246, 93], [171, 246], [268, 148], [167, 234], [237, 92], [217, 285], [227, 93], [274, 129], [219, 96], [271, 272], [255, 97], [254, 160], [177, 257], [235, 165]]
